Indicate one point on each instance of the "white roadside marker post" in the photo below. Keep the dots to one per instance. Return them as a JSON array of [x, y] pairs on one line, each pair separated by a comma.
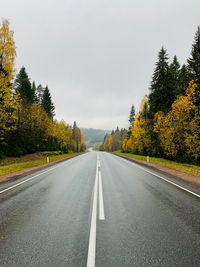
[[148, 159], [47, 158]]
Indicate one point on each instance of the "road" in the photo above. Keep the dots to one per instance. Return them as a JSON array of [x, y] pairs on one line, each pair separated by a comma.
[[98, 210]]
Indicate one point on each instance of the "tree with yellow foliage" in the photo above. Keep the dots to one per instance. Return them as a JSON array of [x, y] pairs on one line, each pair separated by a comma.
[[64, 135], [8, 101], [26, 122], [174, 129]]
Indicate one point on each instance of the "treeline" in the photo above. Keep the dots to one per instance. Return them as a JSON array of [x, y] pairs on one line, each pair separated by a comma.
[[113, 141], [168, 123], [27, 110], [93, 136]]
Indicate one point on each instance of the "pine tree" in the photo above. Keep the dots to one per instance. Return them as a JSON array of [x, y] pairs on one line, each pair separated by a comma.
[[47, 103], [194, 60], [161, 96], [23, 86]]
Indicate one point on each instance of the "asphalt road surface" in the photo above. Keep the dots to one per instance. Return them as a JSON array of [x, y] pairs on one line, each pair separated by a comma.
[[98, 210]]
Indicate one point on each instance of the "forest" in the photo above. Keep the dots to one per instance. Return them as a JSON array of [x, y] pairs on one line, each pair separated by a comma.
[[93, 136], [27, 111], [168, 122]]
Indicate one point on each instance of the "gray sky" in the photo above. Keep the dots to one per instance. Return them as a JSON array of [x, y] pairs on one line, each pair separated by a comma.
[[98, 56]]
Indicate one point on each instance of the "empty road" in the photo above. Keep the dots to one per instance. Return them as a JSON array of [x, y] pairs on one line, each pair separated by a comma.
[[99, 210]]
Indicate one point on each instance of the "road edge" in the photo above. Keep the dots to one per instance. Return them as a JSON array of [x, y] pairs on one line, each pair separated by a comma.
[[193, 181], [22, 173]]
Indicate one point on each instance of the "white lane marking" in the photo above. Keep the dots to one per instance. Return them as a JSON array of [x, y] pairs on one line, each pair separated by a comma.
[[166, 180], [99, 164], [92, 238], [31, 178], [101, 205]]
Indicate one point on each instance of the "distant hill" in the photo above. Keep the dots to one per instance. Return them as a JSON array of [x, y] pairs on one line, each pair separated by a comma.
[[93, 135]]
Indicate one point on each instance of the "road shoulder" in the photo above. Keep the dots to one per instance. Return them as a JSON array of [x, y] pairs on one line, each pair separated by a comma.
[[193, 181], [19, 174]]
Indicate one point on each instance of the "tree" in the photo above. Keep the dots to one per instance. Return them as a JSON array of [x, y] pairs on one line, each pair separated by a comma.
[[47, 103], [173, 77], [83, 146], [174, 127], [63, 134], [76, 136], [131, 120], [33, 86], [194, 60], [184, 79], [23, 86], [39, 94], [161, 97], [8, 101], [194, 65], [192, 140], [116, 140]]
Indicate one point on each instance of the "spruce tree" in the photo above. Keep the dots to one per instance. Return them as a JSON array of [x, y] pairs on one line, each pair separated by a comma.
[[194, 60], [47, 103], [34, 92], [173, 77], [132, 115], [194, 66], [39, 94], [161, 96], [131, 120], [23, 86], [184, 78]]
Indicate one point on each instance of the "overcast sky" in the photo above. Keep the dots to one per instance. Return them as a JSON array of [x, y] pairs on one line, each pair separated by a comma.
[[98, 56]]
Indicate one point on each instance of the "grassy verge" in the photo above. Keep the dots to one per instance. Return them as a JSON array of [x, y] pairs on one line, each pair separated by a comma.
[[7, 169], [183, 167]]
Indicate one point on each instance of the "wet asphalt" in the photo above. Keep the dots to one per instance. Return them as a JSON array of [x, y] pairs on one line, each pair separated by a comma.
[[148, 222]]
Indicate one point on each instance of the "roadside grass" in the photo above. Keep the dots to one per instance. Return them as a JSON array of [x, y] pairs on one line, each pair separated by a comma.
[[183, 167], [7, 169]]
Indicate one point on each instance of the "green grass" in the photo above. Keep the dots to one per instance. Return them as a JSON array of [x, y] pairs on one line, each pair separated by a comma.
[[183, 167], [7, 169]]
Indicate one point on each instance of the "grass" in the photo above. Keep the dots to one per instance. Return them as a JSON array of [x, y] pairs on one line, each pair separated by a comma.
[[183, 167], [13, 167]]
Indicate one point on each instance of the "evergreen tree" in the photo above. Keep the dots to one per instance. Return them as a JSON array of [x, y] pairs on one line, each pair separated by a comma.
[[194, 66], [132, 115], [39, 94], [194, 60], [144, 113], [173, 82], [23, 86], [161, 96], [34, 91], [47, 103], [184, 78], [131, 120], [173, 77]]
